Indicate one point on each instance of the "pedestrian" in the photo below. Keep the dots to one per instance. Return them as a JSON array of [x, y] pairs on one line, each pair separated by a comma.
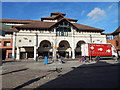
[[80, 59], [62, 59], [45, 60], [84, 58], [115, 58]]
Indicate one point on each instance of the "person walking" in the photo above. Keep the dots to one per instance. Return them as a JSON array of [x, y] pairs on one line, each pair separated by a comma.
[[62, 59]]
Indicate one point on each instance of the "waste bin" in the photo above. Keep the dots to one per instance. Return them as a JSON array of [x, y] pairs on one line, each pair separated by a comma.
[[45, 60]]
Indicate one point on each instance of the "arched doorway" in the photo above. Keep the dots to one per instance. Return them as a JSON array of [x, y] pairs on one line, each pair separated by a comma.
[[78, 49], [44, 48], [64, 49]]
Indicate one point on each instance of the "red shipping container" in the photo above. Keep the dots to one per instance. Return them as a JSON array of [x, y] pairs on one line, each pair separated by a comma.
[[99, 49]]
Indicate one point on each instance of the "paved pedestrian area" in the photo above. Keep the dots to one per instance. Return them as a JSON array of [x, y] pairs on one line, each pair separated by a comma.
[[35, 74]]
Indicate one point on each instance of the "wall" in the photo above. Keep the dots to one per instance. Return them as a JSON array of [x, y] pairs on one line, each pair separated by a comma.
[[27, 35]]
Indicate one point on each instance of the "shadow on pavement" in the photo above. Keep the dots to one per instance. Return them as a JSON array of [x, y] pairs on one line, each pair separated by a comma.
[[97, 75], [30, 82], [15, 71]]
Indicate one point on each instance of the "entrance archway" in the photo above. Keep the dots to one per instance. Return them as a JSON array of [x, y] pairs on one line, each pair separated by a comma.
[[64, 49], [44, 48], [78, 49]]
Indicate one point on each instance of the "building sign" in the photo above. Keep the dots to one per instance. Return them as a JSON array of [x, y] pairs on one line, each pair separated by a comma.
[[56, 47]]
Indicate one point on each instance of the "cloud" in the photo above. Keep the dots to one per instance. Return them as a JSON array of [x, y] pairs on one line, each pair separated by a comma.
[[109, 7], [96, 13]]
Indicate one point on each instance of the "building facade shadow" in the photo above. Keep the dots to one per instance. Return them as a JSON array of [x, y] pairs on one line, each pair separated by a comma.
[[98, 75], [15, 71]]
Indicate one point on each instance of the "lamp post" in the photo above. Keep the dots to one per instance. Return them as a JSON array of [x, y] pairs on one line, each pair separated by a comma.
[[90, 48]]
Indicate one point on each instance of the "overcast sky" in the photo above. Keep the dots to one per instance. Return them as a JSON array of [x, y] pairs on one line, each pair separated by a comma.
[[103, 15]]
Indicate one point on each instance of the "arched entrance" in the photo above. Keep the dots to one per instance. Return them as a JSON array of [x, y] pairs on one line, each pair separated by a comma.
[[64, 49], [78, 49], [44, 48]]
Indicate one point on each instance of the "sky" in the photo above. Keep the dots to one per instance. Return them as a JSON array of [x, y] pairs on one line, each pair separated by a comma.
[[103, 15]]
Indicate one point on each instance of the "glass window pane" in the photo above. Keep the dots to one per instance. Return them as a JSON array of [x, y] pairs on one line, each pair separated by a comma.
[[7, 43]]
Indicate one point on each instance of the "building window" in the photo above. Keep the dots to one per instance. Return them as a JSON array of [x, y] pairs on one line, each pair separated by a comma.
[[116, 36], [117, 43], [9, 55], [109, 37], [7, 43], [62, 31]]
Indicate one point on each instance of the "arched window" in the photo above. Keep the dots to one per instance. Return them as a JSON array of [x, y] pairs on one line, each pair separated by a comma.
[[80, 43], [63, 28]]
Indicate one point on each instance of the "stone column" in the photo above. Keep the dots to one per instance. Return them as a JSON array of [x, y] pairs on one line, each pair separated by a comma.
[[73, 46], [13, 46], [35, 46], [35, 52], [18, 53], [73, 53], [54, 52], [70, 53], [54, 30]]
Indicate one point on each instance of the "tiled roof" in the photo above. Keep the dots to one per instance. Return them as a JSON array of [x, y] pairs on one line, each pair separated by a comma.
[[38, 25], [6, 28], [85, 27], [58, 13], [47, 25], [106, 33], [18, 21], [117, 31], [52, 18]]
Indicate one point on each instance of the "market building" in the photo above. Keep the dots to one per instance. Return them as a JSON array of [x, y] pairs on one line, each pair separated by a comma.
[[53, 36]]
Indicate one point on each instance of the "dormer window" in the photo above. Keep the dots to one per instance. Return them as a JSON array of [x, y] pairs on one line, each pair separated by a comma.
[[64, 24]]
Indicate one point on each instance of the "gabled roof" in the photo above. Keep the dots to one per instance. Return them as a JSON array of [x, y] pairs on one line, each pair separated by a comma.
[[48, 25], [57, 13], [71, 19], [18, 21], [52, 18]]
